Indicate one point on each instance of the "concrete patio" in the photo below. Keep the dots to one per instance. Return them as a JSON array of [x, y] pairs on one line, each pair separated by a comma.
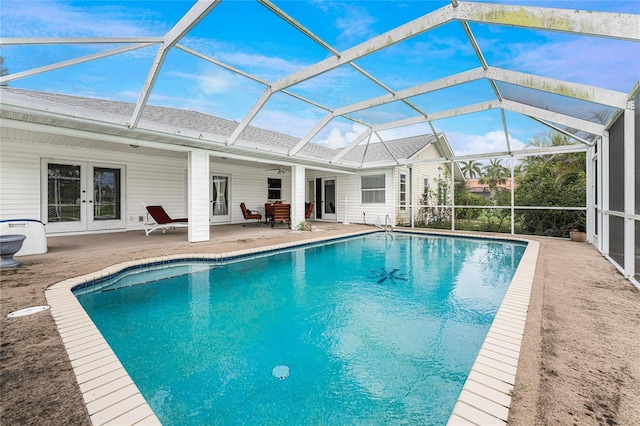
[[580, 308]]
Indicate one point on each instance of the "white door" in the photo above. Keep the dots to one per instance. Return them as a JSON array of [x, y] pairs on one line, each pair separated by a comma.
[[329, 205], [220, 190], [82, 196]]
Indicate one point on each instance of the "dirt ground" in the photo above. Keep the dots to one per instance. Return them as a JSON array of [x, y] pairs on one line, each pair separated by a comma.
[[579, 364]]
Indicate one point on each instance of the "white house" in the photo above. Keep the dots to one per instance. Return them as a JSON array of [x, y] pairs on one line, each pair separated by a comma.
[[74, 164]]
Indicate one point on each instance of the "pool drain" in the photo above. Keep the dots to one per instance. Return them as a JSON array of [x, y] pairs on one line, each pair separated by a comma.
[[27, 311], [280, 372]]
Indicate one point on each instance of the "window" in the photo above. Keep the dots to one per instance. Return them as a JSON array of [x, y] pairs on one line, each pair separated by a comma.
[[403, 191], [106, 194], [274, 189], [425, 185], [373, 189]]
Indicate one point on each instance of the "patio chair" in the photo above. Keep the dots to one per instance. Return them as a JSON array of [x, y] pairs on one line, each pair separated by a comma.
[[308, 208], [162, 220], [251, 215], [268, 211], [281, 214]]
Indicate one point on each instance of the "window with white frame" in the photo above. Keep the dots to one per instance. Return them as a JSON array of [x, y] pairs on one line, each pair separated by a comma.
[[373, 189], [403, 191], [274, 189], [425, 185]]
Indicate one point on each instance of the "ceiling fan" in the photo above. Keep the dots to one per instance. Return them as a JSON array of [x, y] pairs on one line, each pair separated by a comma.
[[279, 169]]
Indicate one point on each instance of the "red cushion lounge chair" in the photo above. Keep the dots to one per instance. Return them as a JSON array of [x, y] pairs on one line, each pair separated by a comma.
[[162, 220], [251, 215]]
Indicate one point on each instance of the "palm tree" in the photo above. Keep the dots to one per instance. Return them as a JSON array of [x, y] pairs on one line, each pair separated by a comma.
[[471, 169], [563, 166], [494, 174]]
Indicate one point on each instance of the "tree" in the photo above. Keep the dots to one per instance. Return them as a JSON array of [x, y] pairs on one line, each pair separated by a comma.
[[494, 174], [471, 169], [465, 198], [432, 214], [3, 70], [552, 180]]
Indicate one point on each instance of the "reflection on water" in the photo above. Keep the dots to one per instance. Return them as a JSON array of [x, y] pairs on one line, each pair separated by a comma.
[[374, 331]]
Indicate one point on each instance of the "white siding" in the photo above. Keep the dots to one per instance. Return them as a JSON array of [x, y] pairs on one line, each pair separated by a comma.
[[149, 179], [420, 171], [19, 181], [357, 212], [249, 186], [162, 180], [349, 199]]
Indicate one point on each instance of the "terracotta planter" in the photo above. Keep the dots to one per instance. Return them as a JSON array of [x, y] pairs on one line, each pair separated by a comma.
[[577, 236]]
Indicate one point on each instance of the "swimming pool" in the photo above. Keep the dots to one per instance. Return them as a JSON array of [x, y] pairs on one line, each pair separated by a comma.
[[373, 330]]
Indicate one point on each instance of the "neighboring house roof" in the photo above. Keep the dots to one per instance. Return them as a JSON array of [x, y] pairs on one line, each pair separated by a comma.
[[405, 148], [110, 117], [476, 187]]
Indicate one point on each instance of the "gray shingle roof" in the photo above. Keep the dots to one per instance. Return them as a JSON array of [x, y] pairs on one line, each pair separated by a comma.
[[175, 120], [400, 148]]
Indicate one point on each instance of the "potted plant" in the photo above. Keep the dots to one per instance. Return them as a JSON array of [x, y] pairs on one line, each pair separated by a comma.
[[577, 235], [578, 228], [305, 225]]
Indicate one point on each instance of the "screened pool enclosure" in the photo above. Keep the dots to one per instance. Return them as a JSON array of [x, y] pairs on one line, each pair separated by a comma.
[[538, 104]]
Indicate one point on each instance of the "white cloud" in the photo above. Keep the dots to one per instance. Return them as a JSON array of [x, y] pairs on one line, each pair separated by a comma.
[[494, 141], [575, 60], [268, 68], [260, 61], [284, 122], [59, 19], [339, 135], [354, 22], [214, 80]]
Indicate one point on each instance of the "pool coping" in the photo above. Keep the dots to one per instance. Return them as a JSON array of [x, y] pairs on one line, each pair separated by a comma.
[[112, 398]]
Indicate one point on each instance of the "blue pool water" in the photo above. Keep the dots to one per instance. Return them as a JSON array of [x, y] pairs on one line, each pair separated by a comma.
[[373, 330]]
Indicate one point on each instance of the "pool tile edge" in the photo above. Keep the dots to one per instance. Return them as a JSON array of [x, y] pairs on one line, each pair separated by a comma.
[[102, 371], [64, 304], [472, 407]]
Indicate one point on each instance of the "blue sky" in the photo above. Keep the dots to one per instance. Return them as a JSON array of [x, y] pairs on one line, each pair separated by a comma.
[[247, 36]]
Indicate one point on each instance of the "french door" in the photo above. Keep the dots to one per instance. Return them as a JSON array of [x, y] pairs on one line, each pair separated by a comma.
[[326, 205], [81, 196], [220, 190]]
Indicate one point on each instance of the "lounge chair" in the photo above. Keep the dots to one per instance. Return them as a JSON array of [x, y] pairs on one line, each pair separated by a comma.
[[251, 215], [308, 208], [282, 214], [162, 220]]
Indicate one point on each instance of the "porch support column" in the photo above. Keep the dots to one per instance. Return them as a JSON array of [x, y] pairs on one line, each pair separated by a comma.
[[297, 195], [198, 196]]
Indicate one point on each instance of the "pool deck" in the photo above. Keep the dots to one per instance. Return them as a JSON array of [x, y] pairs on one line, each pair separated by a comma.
[[112, 398]]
